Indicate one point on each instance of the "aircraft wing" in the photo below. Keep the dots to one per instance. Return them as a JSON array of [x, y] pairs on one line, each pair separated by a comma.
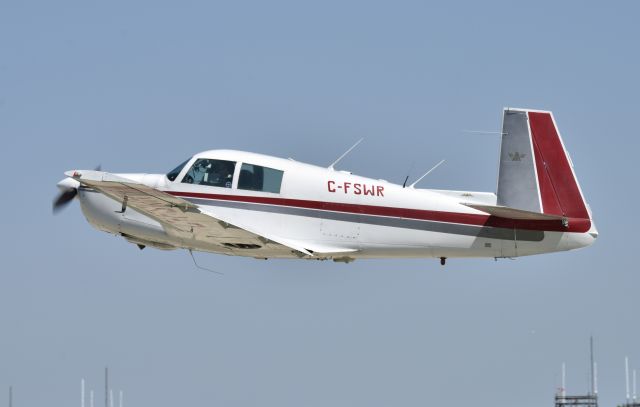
[[182, 218]]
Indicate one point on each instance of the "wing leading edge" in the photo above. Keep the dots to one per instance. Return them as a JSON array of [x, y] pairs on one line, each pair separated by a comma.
[[183, 219]]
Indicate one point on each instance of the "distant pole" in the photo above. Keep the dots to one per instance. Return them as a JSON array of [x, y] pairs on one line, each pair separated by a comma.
[[82, 393], [10, 396], [106, 387], [110, 397], [564, 380], [120, 404], [635, 395], [595, 378], [593, 386], [626, 375], [91, 398]]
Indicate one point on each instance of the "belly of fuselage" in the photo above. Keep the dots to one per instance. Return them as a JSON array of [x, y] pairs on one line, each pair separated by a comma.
[[106, 214]]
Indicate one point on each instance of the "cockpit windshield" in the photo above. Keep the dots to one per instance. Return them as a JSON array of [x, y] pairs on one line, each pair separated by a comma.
[[215, 173], [173, 174]]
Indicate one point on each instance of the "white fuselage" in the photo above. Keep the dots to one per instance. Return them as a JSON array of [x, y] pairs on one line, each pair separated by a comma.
[[352, 216]]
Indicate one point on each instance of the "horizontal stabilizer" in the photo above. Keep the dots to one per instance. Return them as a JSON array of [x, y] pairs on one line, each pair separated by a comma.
[[512, 213]]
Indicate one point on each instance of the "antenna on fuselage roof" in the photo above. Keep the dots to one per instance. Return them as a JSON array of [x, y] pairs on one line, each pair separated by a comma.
[[345, 154], [425, 174], [404, 184]]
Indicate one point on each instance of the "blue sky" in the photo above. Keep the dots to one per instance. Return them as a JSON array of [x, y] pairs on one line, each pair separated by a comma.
[[140, 86]]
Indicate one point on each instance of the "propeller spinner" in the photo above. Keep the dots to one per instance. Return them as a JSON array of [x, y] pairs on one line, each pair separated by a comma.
[[68, 190]]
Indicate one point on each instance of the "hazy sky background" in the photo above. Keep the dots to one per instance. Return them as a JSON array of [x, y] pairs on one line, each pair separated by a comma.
[[140, 86]]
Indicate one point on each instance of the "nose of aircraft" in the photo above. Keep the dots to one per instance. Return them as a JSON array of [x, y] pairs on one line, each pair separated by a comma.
[[68, 190], [67, 183]]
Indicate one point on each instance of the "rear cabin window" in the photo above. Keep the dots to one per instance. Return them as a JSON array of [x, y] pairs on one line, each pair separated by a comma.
[[258, 178], [215, 173]]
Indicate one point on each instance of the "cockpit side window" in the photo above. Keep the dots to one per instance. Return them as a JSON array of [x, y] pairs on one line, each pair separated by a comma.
[[258, 178], [173, 174], [215, 173]]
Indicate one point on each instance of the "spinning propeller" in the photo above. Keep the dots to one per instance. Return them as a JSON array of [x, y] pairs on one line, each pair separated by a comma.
[[68, 190], [66, 195]]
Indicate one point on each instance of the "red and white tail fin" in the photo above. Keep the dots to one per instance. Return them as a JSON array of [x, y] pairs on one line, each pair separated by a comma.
[[536, 173]]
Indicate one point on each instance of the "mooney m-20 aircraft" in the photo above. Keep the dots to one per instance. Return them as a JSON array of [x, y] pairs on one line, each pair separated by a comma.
[[245, 204]]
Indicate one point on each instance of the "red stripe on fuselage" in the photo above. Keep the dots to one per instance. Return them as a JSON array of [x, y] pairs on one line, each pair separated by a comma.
[[575, 225]]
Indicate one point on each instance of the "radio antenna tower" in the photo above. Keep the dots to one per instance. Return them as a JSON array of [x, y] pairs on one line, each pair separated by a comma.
[[562, 399]]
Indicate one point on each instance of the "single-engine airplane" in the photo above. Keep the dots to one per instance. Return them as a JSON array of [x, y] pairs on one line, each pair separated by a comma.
[[246, 204]]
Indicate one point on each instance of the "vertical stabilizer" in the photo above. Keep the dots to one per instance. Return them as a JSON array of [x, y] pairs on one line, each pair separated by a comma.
[[536, 173]]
